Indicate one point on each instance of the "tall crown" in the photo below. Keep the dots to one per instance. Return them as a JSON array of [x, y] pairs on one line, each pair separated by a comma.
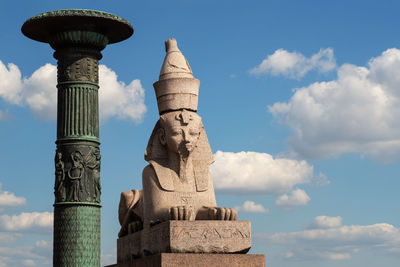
[[176, 87]]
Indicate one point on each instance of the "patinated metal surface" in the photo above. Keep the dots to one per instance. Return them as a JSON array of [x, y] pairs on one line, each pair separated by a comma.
[[78, 36], [41, 27]]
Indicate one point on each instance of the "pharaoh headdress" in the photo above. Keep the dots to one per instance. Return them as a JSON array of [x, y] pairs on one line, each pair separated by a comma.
[[177, 90]]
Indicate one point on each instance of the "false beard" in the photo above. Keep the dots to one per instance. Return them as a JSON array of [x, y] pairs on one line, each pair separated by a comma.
[[184, 154]]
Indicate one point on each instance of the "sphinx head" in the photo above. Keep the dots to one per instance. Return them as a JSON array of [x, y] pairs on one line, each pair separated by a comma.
[[180, 131]]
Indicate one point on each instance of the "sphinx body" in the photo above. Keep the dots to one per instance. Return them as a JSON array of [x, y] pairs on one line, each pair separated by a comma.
[[177, 184]]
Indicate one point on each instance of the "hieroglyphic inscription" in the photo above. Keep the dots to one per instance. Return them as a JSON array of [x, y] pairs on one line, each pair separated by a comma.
[[209, 233]]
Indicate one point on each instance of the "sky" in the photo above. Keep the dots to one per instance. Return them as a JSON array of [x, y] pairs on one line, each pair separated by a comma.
[[300, 102]]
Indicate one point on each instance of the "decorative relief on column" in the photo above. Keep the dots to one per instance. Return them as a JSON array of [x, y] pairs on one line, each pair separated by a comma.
[[77, 173], [59, 186], [93, 163], [77, 68], [74, 175]]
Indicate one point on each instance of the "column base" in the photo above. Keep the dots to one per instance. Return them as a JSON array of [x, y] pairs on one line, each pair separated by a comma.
[[196, 260]]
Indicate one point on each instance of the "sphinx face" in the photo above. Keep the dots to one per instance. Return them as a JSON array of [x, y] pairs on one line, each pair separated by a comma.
[[181, 131]]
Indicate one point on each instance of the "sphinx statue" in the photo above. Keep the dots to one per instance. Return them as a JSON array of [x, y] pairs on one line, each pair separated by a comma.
[[177, 184]]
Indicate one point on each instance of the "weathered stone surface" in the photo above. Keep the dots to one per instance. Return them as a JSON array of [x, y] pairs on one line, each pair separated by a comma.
[[176, 88], [196, 260], [187, 237]]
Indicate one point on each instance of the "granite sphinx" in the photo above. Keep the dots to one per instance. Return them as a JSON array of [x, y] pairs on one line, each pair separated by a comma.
[[177, 203]]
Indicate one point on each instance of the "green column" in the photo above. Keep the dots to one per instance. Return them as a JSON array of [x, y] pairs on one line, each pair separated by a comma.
[[77, 184], [77, 36]]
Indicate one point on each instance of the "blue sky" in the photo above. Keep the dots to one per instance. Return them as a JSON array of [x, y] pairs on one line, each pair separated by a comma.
[[300, 101]]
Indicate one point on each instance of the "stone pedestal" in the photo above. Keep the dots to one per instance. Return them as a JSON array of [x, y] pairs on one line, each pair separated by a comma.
[[196, 260], [186, 237]]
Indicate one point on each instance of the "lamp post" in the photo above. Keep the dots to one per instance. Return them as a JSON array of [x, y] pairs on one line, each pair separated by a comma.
[[77, 36]]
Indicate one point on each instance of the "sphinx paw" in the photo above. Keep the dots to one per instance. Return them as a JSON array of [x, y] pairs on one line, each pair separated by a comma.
[[222, 213], [180, 213]]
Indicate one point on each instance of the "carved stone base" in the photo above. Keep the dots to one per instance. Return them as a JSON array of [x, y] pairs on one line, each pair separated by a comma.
[[196, 260], [186, 237]]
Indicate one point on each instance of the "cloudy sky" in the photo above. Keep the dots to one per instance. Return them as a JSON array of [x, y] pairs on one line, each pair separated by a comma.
[[300, 100]]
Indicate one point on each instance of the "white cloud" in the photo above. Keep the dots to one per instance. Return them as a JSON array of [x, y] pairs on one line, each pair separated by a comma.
[[41, 222], [7, 238], [43, 248], [8, 199], [325, 222], [336, 242], [10, 83], [316, 255], [22, 256], [250, 206], [295, 198], [39, 93], [258, 172], [321, 180], [359, 112], [43, 244], [118, 99], [295, 65], [336, 256], [28, 262]]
